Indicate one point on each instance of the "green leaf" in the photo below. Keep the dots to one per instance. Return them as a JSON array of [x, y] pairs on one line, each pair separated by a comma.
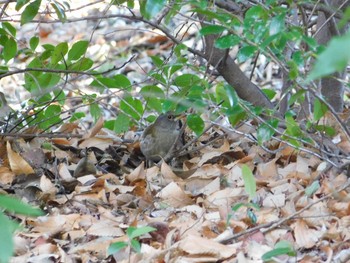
[[115, 247], [178, 50], [116, 82], [252, 216], [299, 96], [212, 29], [236, 114], [265, 132], [249, 181], [298, 58], [320, 109], [152, 91], [51, 115], [195, 123], [10, 49], [310, 190], [152, 8], [3, 39], [133, 232], [121, 123], [333, 59], [78, 49], [59, 52], [330, 131], [135, 244], [33, 43], [231, 95], [281, 248], [48, 80], [159, 77], [153, 96], [95, 111], [131, 4], [227, 41], [186, 80], [61, 14], [20, 4], [6, 242], [277, 24], [16, 206], [249, 205], [9, 28], [132, 106], [174, 68], [159, 62], [293, 70], [77, 116], [269, 93], [292, 126], [30, 12], [122, 80], [256, 12], [245, 53], [82, 64]]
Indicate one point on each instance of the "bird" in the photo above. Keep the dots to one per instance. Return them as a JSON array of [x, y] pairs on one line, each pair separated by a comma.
[[85, 166], [158, 138]]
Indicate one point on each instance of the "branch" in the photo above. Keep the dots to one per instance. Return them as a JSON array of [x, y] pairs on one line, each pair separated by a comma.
[[65, 71]]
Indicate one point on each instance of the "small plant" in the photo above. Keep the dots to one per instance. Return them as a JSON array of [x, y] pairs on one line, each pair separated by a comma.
[[250, 188], [8, 226], [281, 248], [250, 211], [132, 233]]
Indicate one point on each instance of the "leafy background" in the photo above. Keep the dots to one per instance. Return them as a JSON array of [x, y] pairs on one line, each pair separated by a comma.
[[92, 74]]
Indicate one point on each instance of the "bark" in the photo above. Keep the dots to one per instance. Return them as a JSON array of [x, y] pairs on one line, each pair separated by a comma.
[[330, 87], [234, 76]]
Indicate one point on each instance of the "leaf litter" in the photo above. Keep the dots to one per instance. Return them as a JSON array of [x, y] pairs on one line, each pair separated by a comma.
[[193, 215], [191, 207]]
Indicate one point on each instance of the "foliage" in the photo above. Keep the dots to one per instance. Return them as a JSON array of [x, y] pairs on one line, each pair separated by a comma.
[[8, 226], [263, 32], [180, 79], [281, 248], [332, 59], [132, 233]]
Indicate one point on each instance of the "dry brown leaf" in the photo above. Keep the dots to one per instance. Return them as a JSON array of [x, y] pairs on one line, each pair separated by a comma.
[[208, 171], [255, 250], [304, 236], [267, 171], [274, 200], [6, 175], [197, 186], [174, 196], [224, 197], [198, 247], [287, 170], [100, 143], [95, 129], [17, 163], [168, 174], [68, 127], [105, 228], [64, 172], [137, 173]]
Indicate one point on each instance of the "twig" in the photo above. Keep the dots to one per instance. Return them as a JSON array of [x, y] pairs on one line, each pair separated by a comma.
[[65, 71], [272, 225]]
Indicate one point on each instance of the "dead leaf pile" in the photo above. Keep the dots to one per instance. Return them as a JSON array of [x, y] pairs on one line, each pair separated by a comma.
[[191, 208]]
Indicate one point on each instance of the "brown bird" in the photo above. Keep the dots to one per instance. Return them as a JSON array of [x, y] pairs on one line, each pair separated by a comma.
[[158, 138], [85, 166]]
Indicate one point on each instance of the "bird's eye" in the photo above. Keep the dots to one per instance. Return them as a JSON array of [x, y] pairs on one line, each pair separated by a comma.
[[170, 117]]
